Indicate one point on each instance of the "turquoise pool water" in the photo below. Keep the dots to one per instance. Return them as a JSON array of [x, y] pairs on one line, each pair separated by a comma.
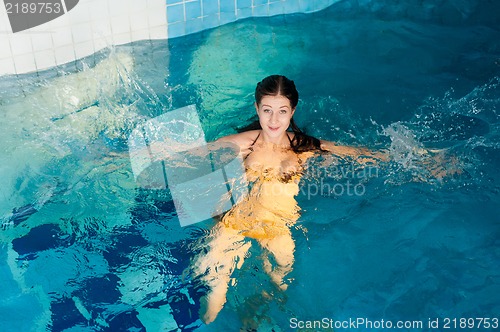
[[83, 248]]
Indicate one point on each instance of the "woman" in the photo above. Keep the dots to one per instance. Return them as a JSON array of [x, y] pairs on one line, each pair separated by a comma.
[[274, 160]]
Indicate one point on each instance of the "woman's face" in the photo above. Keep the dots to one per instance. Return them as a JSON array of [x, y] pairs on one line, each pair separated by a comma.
[[274, 114]]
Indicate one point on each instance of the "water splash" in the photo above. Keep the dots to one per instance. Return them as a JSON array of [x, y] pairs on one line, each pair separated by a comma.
[[460, 119], [66, 130], [449, 134]]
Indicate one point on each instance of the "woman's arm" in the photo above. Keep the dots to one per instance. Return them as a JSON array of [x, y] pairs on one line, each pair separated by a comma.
[[437, 162], [359, 154]]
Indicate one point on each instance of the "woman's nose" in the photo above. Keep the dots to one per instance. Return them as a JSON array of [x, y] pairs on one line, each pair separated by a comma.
[[274, 117]]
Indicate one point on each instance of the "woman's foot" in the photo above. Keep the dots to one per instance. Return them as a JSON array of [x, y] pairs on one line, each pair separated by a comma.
[[212, 303]]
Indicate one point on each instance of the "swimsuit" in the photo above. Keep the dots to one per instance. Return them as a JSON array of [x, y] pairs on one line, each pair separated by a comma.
[[270, 207], [251, 146], [255, 140]]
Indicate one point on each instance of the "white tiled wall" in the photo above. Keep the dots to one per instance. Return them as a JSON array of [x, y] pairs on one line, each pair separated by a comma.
[[95, 24], [188, 16], [89, 27]]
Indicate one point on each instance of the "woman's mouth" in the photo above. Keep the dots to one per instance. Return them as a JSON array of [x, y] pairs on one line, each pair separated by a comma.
[[273, 128]]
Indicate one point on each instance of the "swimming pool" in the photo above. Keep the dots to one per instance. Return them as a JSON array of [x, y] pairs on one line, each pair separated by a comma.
[[83, 248]]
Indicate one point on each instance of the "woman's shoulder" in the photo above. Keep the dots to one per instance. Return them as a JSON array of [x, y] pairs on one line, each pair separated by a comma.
[[243, 140]]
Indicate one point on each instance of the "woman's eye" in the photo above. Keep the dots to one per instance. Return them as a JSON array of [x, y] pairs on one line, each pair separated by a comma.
[[267, 110], [282, 111]]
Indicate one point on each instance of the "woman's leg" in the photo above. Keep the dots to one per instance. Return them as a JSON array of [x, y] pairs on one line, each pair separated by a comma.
[[282, 248], [226, 251]]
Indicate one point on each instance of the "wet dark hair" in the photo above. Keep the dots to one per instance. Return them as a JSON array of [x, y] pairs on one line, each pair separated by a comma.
[[279, 85]]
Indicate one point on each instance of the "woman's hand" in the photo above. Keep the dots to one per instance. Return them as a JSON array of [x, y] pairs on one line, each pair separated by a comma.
[[439, 162]]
